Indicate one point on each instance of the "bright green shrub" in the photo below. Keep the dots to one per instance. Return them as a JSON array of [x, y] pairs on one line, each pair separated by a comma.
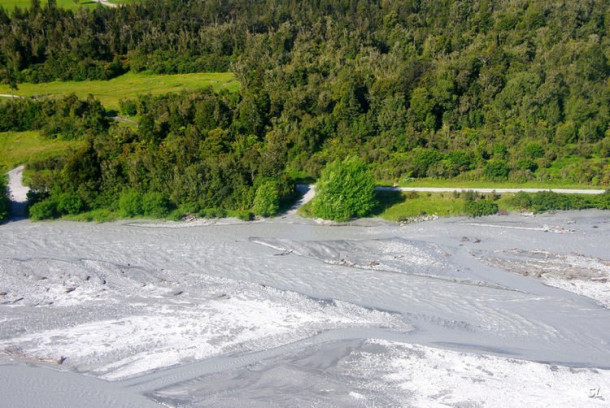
[[244, 215], [266, 200], [44, 210], [480, 208], [155, 204], [345, 189], [130, 204], [68, 203]]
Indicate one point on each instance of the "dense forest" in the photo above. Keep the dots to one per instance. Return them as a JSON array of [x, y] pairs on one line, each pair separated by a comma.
[[484, 90]]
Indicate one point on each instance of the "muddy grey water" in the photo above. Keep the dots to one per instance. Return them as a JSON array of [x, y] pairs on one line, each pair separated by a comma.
[[150, 306]]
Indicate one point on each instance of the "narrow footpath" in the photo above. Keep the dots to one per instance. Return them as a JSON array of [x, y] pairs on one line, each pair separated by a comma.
[[17, 193]]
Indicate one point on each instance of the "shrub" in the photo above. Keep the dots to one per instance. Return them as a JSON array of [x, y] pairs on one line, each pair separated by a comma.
[[245, 215], [44, 210], [213, 213], [189, 208], [345, 189], [286, 191], [423, 159], [68, 203], [155, 204], [175, 215], [128, 107], [521, 200], [602, 201], [548, 200], [525, 163], [496, 170], [533, 150], [470, 195], [499, 150], [130, 204], [480, 208], [266, 200]]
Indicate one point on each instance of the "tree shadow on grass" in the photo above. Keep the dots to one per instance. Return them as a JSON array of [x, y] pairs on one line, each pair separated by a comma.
[[387, 199]]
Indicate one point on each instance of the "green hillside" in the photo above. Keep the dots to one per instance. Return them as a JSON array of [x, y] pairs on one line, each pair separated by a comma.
[[502, 91]]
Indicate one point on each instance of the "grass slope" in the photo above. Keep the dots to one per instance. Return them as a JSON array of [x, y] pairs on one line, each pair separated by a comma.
[[412, 205], [18, 148], [128, 86], [67, 4]]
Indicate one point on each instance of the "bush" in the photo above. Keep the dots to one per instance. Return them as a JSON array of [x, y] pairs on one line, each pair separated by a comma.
[[525, 163], [480, 208], [521, 200], [130, 204], [549, 201], [470, 195], [345, 189], [128, 107], [266, 200], [245, 215], [602, 201], [286, 191], [69, 204], [496, 170], [423, 159], [213, 213], [44, 210], [155, 205], [534, 150], [175, 215]]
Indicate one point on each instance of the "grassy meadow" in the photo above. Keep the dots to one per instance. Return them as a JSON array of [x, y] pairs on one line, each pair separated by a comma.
[[128, 86], [26, 147], [407, 205], [67, 4]]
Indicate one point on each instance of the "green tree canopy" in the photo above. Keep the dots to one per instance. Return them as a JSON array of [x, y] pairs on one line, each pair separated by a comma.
[[345, 189]]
